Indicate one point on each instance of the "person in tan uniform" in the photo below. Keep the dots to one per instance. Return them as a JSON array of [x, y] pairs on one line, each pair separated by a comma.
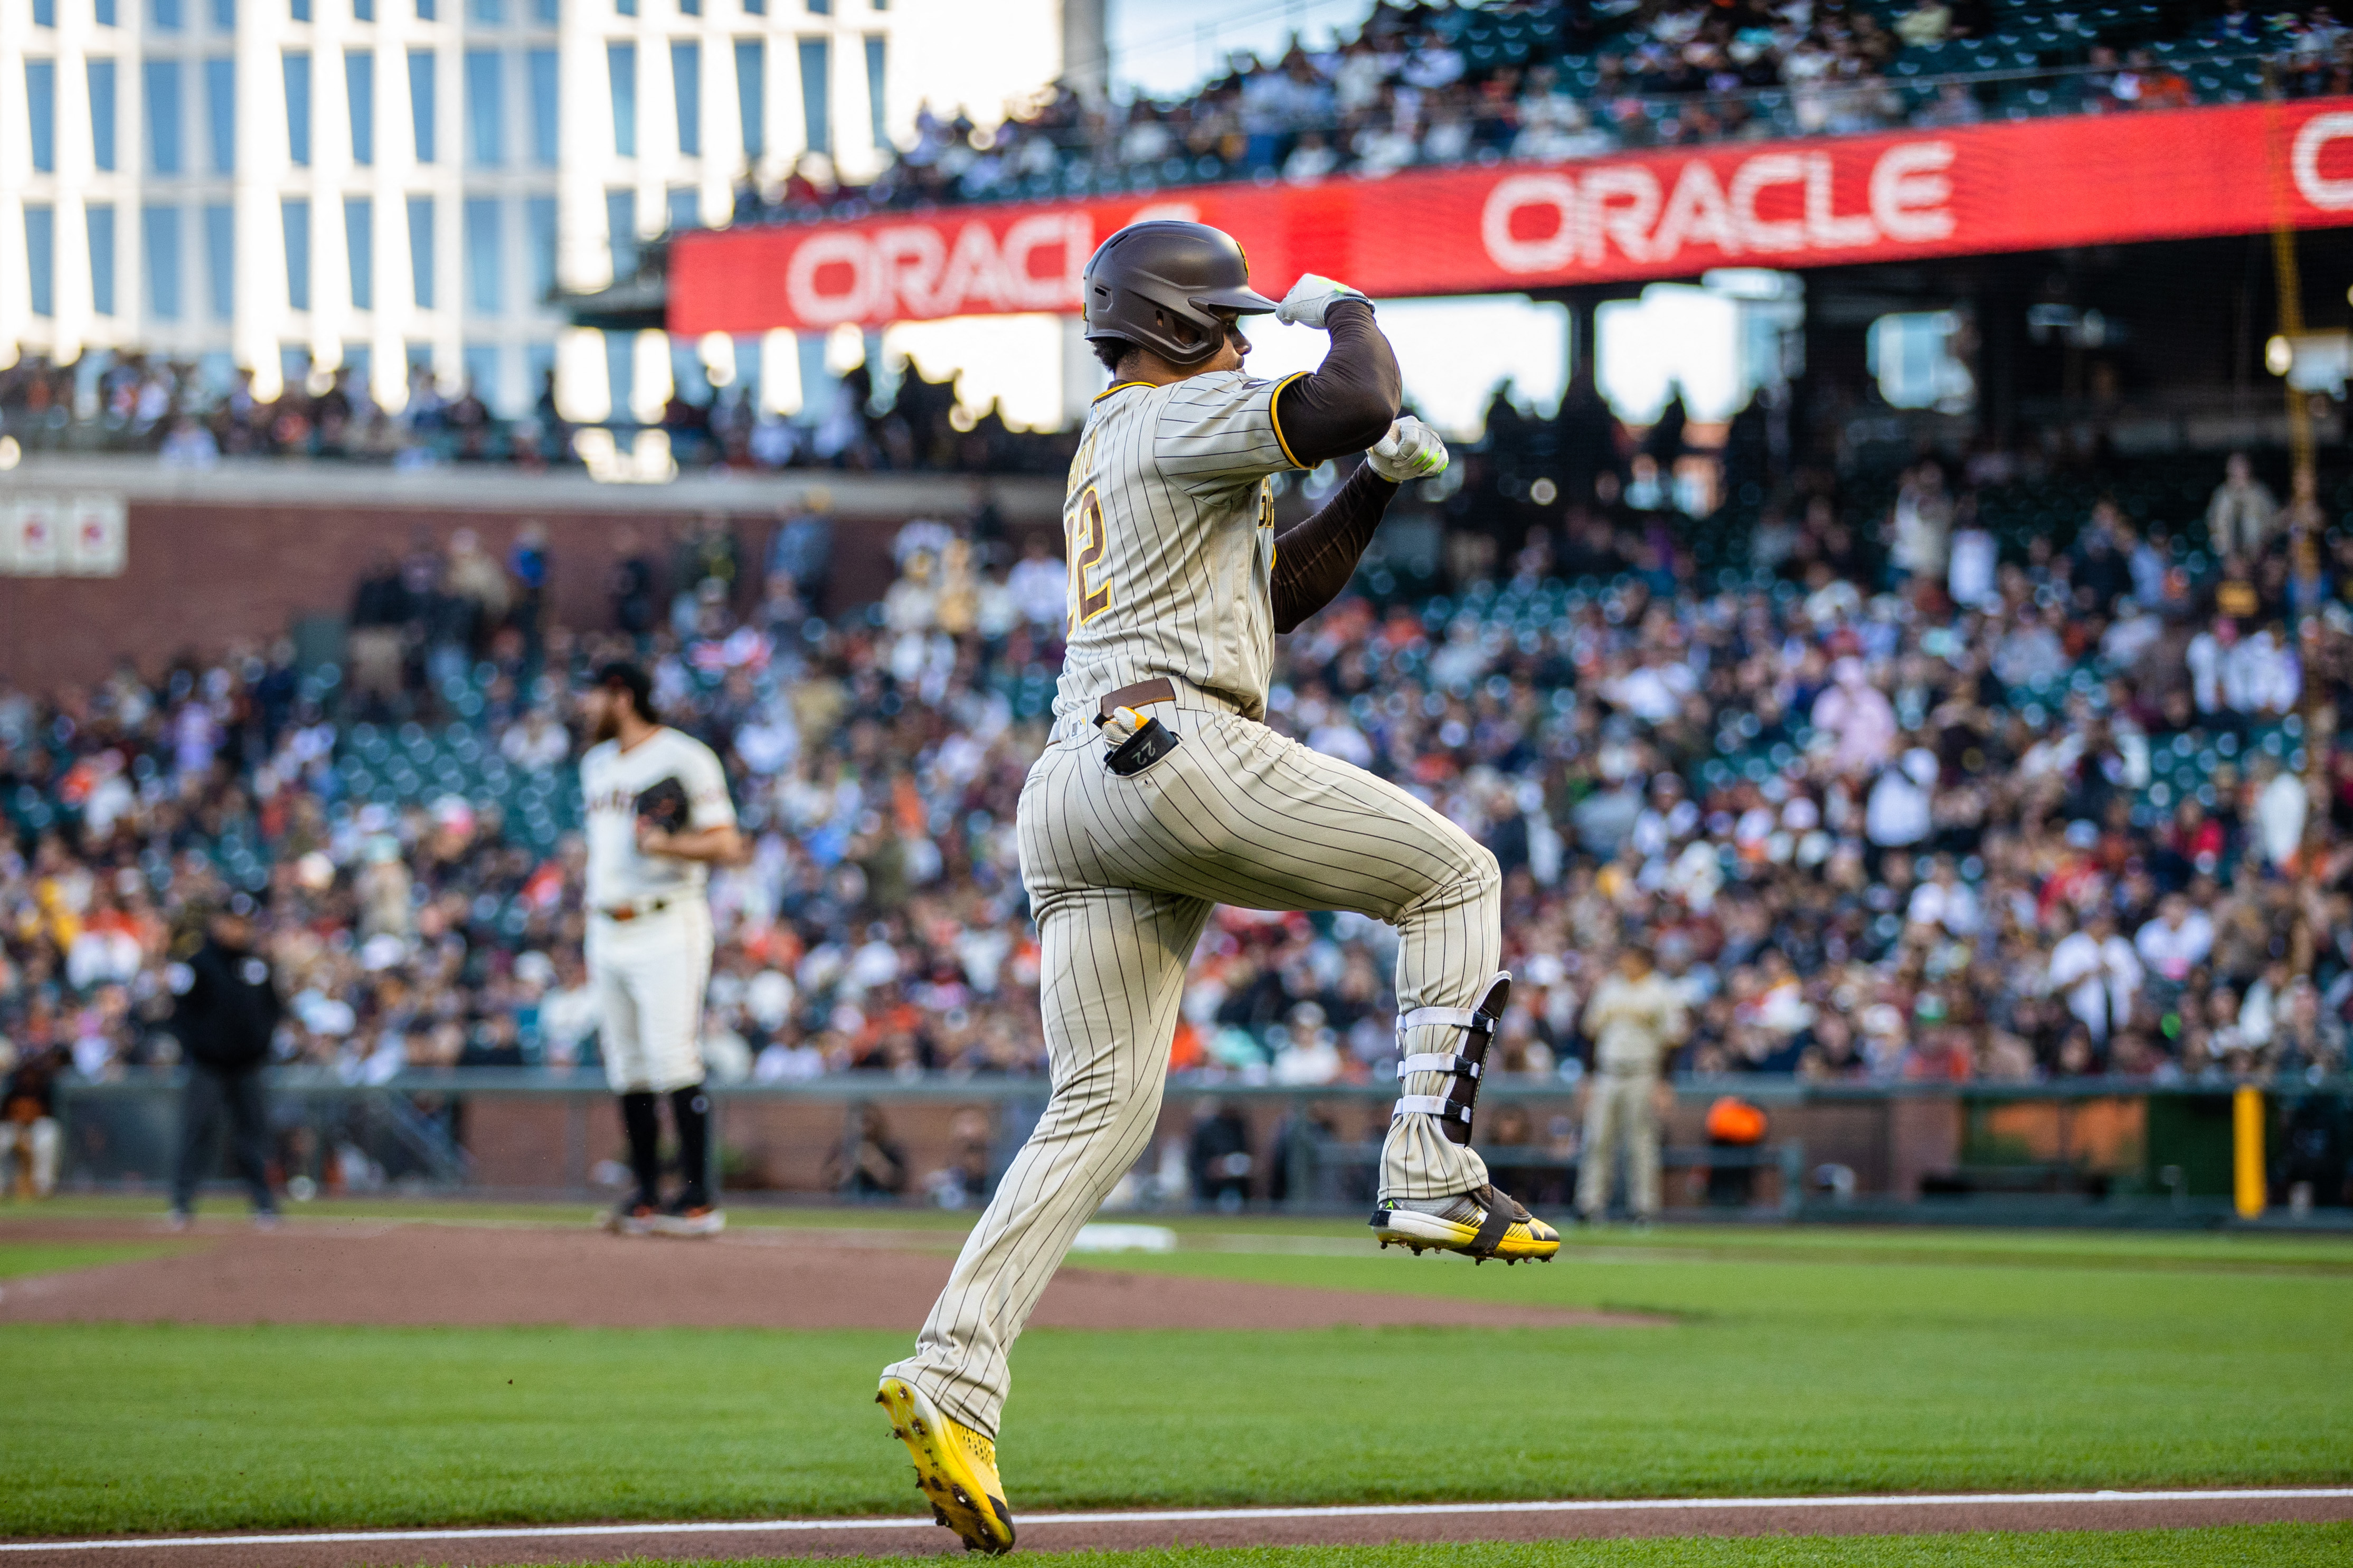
[[1635, 1018], [1163, 794]]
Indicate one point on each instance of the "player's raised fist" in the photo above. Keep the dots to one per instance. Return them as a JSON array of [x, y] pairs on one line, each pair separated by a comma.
[[1411, 451], [1310, 297]]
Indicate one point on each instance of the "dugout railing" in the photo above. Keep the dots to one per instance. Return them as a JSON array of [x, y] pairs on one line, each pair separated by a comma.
[[2108, 1150]]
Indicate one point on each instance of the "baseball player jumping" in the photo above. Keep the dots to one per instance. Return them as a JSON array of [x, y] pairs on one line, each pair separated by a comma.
[[1162, 794], [658, 820]]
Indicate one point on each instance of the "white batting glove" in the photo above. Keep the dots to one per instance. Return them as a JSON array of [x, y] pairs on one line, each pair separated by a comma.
[[1411, 451], [1308, 299]]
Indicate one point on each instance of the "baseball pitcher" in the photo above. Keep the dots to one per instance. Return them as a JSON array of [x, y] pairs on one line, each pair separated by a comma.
[[658, 820], [1163, 794]]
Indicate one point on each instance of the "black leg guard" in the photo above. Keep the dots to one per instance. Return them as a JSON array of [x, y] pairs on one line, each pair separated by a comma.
[[690, 1108], [645, 1143], [1467, 1063]]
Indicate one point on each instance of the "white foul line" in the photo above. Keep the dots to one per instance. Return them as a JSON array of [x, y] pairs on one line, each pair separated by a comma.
[[1184, 1516]]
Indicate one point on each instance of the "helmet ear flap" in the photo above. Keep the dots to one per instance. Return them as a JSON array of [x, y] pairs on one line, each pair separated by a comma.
[[1177, 329]]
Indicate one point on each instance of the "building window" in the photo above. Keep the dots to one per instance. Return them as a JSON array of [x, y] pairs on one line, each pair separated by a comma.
[[41, 108], [425, 10], [420, 249], [164, 116], [295, 214], [220, 259], [539, 374], [547, 13], [41, 256], [102, 257], [298, 10], [167, 16], [621, 230], [877, 96], [755, 7], [362, 10], [220, 112], [488, 13], [690, 8], [482, 373], [485, 256], [821, 7], [539, 70], [101, 113], [224, 15], [420, 102], [102, 13], [359, 91], [686, 84], [298, 108], [160, 229], [625, 7], [621, 65], [684, 212], [45, 14], [485, 110], [751, 94], [620, 372], [539, 241], [359, 249], [815, 117]]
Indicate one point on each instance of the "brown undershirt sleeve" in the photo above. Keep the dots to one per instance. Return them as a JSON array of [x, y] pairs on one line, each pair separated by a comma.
[[1347, 403], [1315, 557]]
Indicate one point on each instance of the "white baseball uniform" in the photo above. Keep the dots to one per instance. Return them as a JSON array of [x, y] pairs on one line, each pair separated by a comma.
[[648, 946], [1170, 527]]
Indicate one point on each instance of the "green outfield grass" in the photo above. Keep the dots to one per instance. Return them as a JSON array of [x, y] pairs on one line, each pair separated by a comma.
[[1797, 1362], [2272, 1545]]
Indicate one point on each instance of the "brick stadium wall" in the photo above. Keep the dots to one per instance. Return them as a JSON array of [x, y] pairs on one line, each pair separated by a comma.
[[237, 555], [202, 575]]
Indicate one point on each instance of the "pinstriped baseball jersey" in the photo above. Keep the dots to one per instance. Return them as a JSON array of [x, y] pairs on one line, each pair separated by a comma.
[[1170, 524]]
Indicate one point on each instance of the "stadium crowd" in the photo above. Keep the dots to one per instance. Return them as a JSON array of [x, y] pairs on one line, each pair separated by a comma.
[[192, 420], [1432, 85], [1886, 806], [1415, 85]]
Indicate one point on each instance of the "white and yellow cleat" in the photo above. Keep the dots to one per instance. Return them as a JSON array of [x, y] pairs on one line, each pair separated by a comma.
[[955, 1466], [1483, 1225]]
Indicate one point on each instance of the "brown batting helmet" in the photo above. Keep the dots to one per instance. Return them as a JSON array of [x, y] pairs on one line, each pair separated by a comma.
[[1171, 285]]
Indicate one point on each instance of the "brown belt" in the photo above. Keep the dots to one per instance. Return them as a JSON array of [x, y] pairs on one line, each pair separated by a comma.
[[1158, 690], [619, 913]]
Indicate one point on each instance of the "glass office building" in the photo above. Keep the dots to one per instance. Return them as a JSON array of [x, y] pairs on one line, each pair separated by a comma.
[[301, 184]]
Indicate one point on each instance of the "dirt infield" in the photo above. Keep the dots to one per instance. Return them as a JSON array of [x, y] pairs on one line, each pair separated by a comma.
[[1893, 1515], [449, 1275]]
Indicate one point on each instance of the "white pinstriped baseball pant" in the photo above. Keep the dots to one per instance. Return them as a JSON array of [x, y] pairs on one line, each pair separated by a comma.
[[1123, 873]]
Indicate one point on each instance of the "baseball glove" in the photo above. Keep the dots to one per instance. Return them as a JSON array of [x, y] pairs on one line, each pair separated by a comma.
[[664, 805]]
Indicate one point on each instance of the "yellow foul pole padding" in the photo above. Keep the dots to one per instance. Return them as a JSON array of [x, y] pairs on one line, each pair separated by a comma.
[[2247, 1149]]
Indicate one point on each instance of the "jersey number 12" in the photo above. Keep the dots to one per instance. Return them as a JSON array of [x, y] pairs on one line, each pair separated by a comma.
[[1087, 545]]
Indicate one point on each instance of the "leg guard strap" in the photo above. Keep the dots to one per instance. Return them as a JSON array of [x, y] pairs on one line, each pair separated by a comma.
[[1460, 1066], [1499, 1219], [1467, 1063]]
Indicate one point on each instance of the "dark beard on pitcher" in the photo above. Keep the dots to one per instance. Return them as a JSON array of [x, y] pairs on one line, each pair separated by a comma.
[[606, 727]]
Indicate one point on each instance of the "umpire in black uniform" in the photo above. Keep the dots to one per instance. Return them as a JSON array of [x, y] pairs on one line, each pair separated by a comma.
[[226, 1007]]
